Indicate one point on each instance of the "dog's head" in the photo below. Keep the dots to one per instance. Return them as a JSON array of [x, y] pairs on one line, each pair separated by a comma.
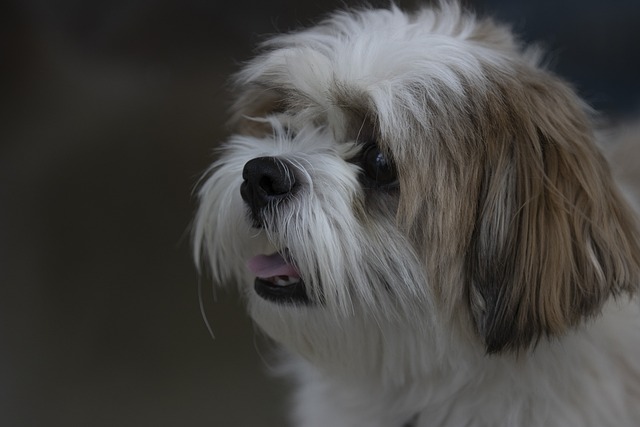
[[413, 169]]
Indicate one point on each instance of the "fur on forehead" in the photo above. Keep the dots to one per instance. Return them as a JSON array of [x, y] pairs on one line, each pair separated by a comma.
[[502, 190], [374, 61]]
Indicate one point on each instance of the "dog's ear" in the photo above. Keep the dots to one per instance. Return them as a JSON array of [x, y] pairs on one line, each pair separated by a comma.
[[553, 238]]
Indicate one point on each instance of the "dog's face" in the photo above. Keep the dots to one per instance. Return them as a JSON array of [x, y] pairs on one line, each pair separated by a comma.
[[420, 171]]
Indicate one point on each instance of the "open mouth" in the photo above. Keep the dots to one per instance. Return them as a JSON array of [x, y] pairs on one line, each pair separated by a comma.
[[277, 279]]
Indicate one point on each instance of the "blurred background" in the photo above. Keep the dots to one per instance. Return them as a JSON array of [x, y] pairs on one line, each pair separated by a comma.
[[109, 111]]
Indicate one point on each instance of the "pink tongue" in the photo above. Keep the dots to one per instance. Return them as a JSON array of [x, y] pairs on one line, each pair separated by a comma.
[[264, 266]]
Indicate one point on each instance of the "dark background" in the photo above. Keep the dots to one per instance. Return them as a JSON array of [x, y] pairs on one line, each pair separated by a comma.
[[108, 115]]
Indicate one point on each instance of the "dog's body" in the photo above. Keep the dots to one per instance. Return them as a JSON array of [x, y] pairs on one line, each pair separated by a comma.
[[588, 378], [448, 245]]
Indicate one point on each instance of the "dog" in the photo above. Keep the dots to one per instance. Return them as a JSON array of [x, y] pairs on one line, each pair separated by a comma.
[[417, 212]]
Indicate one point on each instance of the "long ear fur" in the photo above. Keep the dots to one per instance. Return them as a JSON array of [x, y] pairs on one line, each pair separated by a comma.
[[553, 238]]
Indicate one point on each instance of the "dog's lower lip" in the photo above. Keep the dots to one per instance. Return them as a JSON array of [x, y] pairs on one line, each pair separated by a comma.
[[283, 294]]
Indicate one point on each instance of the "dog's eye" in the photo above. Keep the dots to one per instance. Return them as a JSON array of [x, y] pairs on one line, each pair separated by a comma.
[[378, 167]]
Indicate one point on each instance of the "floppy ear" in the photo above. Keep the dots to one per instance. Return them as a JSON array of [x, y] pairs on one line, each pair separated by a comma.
[[553, 239]]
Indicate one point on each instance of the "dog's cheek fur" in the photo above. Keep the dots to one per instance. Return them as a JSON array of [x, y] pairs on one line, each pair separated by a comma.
[[347, 247], [553, 239]]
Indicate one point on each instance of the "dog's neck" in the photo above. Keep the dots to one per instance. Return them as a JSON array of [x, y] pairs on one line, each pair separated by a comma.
[[363, 348]]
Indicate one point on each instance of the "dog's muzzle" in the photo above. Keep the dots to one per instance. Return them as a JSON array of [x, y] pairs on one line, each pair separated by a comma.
[[267, 181]]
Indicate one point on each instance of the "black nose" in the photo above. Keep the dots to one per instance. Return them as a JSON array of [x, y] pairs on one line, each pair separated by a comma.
[[266, 180]]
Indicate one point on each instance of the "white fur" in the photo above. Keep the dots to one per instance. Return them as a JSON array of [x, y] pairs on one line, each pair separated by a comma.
[[367, 356]]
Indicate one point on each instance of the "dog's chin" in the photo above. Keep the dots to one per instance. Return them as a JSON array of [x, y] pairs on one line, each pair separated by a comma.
[[281, 290]]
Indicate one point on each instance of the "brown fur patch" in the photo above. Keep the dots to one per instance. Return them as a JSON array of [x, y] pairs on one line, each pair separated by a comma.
[[553, 239], [509, 195]]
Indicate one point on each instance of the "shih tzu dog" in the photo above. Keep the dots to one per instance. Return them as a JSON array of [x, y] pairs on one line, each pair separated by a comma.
[[416, 210]]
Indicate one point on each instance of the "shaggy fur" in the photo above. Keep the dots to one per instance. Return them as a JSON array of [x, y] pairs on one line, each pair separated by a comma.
[[491, 284]]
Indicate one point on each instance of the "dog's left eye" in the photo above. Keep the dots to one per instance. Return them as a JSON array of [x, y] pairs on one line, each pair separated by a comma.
[[378, 167]]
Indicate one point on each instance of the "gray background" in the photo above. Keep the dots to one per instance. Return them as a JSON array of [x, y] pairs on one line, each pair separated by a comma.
[[109, 113]]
